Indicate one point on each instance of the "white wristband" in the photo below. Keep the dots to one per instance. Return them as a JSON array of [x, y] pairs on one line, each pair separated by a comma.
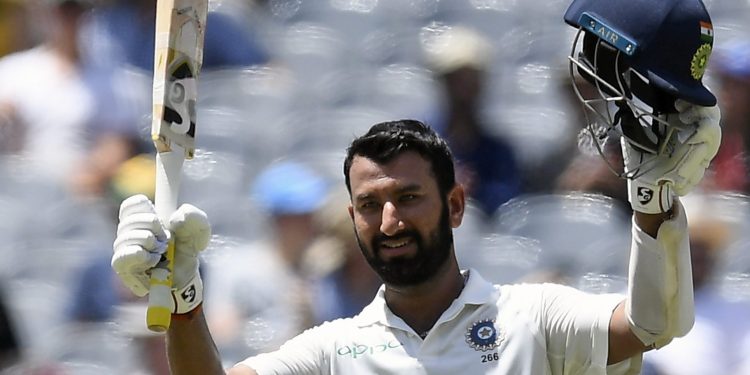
[[648, 198], [188, 297]]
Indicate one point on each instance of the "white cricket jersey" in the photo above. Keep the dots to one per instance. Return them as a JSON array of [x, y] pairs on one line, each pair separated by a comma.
[[525, 329]]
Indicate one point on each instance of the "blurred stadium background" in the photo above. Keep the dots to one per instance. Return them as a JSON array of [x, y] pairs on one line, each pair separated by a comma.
[[333, 68]]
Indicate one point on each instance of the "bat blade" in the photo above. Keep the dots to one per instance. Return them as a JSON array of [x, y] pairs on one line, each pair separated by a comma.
[[178, 56]]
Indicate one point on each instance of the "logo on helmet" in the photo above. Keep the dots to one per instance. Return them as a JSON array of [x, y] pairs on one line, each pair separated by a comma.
[[700, 60]]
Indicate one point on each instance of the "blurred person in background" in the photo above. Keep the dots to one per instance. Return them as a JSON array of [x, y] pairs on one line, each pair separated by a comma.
[[96, 293], [123, 33], [99, 300], [485, 163], [263, 290], [56, 113], [343, 281], [10, 347], [715, 344], [15, 31], [731, 168], [586, 170]]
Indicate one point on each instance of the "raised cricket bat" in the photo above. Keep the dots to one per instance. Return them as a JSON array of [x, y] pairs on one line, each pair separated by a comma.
[[178, 55]]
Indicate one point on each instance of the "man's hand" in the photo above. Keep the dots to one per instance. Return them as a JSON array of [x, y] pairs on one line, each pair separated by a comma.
[[655, 180], [142, 239]]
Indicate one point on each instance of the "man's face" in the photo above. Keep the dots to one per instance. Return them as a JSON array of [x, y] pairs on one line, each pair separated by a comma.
[[403, 224], [735, 94], [464, 86]]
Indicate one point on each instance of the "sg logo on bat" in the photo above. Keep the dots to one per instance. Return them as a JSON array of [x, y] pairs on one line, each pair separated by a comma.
[[179, 63], [180, 100]]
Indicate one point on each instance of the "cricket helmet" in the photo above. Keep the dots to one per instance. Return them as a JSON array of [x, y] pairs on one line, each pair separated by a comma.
[[640, 56]]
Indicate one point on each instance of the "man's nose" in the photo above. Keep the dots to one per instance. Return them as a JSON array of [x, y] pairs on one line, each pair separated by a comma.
[[391, 222]]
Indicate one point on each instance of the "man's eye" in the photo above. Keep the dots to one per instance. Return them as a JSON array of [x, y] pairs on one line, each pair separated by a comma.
[[408, 197], [367, 205]]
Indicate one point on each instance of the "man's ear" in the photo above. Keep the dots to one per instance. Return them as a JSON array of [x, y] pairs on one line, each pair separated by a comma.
[[456, 205]]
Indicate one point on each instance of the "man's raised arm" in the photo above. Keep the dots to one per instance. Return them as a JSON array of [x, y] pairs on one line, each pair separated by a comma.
[[659, 304]]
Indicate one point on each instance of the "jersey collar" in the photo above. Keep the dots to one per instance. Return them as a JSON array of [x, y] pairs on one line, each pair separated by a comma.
[[477, 291]]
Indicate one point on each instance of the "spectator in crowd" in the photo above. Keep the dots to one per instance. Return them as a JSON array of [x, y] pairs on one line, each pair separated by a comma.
[[227, 43], [586, 170], [55, 113], [97, 293], [273, 302], [714, 345], [343, 281], [14, 27], [10, 350], [731, 164], [485, 163], [98, 297]]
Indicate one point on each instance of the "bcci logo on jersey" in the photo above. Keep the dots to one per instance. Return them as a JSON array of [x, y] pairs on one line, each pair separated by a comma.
[[483, 336]]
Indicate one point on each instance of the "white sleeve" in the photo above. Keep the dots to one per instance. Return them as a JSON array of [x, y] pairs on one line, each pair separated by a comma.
[[576, 328], [660, 290], [305, 354]]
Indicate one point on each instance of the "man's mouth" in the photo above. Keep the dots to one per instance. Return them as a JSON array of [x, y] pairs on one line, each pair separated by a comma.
[[396, 244], [403, 247]]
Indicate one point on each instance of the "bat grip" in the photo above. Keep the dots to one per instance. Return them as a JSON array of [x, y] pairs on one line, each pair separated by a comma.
[[160, 300]]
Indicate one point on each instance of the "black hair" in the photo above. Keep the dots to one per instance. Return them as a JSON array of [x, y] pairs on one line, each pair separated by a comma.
[[386, 140]]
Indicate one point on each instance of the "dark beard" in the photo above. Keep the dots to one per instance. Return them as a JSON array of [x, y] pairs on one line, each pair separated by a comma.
[[423, 265]]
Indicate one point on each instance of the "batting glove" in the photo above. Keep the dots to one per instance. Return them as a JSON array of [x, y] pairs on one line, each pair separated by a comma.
[[142, 239], [655, 180]]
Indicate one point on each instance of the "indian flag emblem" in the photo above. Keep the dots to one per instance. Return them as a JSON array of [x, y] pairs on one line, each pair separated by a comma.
[[707, 32]]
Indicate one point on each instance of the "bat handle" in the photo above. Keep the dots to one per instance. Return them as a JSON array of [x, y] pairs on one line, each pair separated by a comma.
[[160, 300]]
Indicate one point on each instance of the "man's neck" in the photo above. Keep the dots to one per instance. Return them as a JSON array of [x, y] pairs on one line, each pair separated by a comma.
[[66, 49], [421, 306]]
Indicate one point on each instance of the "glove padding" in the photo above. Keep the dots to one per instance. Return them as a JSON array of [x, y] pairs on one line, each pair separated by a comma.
[[655, 180], [142, 239]]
